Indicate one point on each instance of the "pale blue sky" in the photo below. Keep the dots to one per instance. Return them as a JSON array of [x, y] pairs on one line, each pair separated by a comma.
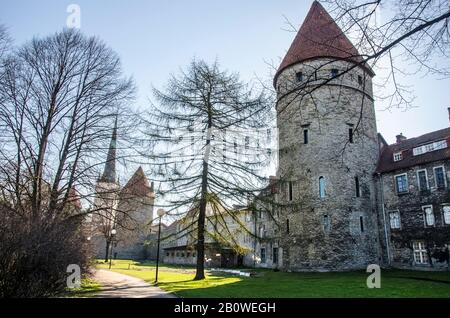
[[155, 38]]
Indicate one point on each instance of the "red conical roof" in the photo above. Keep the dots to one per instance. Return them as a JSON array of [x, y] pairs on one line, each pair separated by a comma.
[[138, 185], [320, 36], [74, 198]]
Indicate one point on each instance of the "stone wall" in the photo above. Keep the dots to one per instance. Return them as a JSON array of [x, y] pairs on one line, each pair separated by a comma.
[[412, 223]]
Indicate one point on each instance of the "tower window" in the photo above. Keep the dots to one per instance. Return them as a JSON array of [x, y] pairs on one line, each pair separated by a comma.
[[299, 76], [360, 80], [326, 223], [321, 187], [361, 223], [334, 72], [287, 226], [290, 190], [357, 187], [305, 136], [350, 135]]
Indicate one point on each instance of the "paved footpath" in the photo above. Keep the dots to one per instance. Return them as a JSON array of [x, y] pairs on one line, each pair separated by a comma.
[[116, 285]]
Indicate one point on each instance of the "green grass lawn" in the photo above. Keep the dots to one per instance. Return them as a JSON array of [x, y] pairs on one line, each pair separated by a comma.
[[394, 283]]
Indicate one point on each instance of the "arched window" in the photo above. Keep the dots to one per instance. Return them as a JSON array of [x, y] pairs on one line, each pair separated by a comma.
[[322, 187]]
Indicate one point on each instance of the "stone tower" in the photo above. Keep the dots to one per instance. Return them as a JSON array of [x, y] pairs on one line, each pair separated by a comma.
[[328, 150], [107, 187], [128, 209]]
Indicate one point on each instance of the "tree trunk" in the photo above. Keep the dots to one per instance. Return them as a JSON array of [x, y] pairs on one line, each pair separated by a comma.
[[200, 272], [107, 251]]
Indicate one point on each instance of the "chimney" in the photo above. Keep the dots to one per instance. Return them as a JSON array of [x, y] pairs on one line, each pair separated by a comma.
[[400, 138]]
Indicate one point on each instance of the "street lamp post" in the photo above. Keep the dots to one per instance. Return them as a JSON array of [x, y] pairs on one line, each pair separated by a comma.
[[160, 213], [111, 241]]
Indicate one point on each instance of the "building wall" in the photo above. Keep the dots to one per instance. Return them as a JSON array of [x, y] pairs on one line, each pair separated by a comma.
[[138, 216], [327, 113], [412, 222], [131, 211]]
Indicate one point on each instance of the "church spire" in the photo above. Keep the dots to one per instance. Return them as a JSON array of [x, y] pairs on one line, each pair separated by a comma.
[[109, 174]]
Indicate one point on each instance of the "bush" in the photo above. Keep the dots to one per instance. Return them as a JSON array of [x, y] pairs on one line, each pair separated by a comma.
[[34, 255]]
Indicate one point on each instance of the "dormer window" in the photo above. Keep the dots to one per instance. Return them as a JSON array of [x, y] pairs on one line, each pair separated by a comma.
[[398, 156], [299, 76], [430, 147]]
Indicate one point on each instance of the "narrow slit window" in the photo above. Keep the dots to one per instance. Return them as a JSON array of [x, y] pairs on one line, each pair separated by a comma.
[[357, 187], [290, 190], [321, 187], [326, 223], [287, 226], [361, 223], [350, 135], [305, 136]]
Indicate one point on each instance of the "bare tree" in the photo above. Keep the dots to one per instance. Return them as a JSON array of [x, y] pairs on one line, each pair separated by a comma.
[[57, 98], [207, 130]]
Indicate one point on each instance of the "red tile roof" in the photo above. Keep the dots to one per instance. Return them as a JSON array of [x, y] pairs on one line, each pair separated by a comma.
[[74, 198], [138, 185], [320, 36], [387, 163]]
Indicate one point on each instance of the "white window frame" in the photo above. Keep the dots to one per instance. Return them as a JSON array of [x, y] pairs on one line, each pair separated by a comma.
[[445, 175], [399, 219], [445, 221], [425, 216], [429, 147], [395, 183], [426, 178], [398, 156], [419, 247]]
